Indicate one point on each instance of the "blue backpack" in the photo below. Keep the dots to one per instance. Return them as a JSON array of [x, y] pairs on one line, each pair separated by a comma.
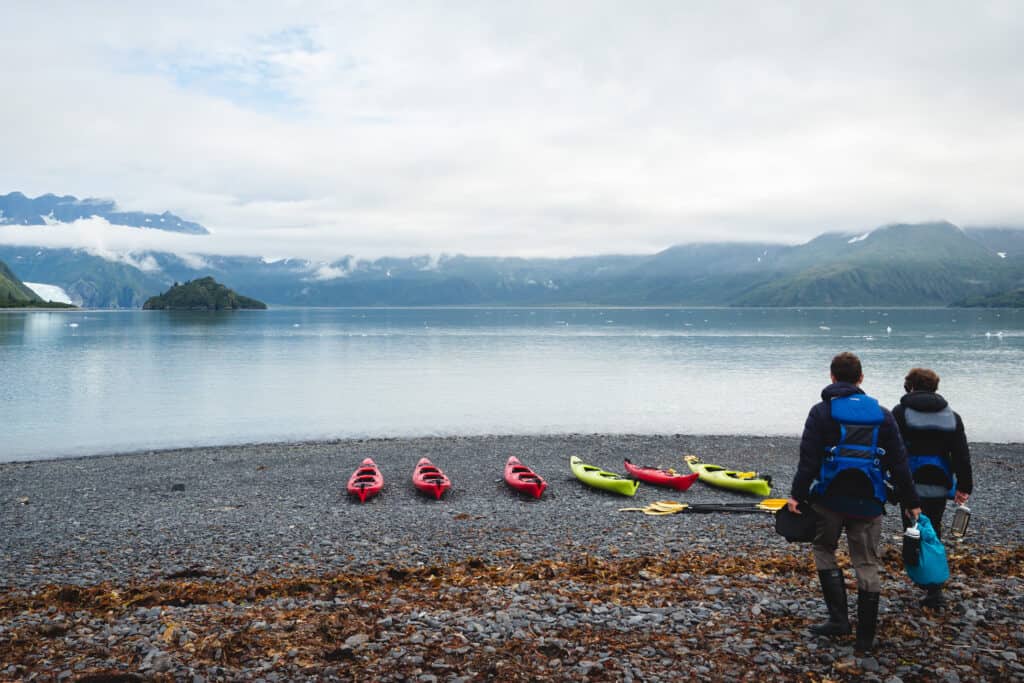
[[859, 417], [932, 568]]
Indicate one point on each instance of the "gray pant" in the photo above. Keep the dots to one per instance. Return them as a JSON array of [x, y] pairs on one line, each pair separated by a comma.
[[862, 535]]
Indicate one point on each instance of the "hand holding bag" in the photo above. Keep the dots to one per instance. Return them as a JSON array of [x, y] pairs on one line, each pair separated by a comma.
[[932, 568], [797, 528]]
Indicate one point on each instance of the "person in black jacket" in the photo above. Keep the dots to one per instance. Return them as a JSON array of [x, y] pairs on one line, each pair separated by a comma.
[[848, 442], [940, 460]]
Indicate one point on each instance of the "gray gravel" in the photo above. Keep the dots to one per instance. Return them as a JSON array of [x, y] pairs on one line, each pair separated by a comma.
[[281, 509]]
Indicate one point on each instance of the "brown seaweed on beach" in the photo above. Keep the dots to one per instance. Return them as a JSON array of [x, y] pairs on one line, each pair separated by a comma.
[[400, 622]]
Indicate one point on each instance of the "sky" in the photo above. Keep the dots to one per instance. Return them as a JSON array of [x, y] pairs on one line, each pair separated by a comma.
[[323, 129]]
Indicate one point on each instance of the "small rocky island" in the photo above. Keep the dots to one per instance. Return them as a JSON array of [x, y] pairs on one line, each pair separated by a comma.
[[204, 294]]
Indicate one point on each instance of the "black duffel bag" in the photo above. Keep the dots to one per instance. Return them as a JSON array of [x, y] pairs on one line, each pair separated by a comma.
[[797, 528]]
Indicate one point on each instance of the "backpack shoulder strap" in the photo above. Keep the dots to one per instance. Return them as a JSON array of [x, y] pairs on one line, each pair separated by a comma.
[[857, 409]]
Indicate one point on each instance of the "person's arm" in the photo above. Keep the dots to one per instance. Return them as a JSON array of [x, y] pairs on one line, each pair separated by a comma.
[[898, 465], [899, 413], [811, 449], [961, 455]]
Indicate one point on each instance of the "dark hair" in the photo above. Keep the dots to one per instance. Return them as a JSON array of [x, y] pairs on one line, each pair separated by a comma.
[[846, 368], [921, 379]]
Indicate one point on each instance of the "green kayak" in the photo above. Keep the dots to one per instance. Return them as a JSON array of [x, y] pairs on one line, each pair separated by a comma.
[[746, 482], [598, 478]]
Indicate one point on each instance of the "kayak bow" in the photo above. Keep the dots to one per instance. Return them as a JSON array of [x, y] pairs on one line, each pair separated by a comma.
[[523, 479], [429, 479], [366, 481]]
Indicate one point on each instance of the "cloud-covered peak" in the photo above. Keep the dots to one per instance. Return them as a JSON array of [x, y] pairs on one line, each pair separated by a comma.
[[49, 209]]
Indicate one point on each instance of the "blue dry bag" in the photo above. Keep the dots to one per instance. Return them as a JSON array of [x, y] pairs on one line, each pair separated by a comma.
[[932, 569]]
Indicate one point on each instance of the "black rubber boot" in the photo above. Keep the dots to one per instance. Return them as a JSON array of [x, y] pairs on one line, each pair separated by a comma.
[[833, 588], [867, 621], [934, 599]]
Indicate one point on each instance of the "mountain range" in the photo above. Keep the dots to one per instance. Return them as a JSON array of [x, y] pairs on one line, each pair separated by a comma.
[[903, 264], [17, 209]]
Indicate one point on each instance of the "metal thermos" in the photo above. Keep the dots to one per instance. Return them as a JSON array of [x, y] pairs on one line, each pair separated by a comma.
[[961, 518], [912, 546]]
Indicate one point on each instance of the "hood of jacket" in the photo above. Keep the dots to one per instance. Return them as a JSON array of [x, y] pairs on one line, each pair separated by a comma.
[[839, 390], [924, 401]]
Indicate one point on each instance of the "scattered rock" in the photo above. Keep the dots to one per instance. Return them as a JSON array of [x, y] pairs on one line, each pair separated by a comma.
[[356, 640]]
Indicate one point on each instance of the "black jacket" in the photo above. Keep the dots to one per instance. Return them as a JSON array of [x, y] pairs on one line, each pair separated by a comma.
[[849, 496], [948, 443]]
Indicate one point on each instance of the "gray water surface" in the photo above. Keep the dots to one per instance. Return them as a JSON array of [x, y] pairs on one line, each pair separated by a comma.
[[89, 382]]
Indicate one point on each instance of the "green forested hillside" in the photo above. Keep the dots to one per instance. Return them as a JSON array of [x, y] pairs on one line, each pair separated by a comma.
[[204, 294], [898, 265], [1010, 299], [1009, 242], [13, 292]]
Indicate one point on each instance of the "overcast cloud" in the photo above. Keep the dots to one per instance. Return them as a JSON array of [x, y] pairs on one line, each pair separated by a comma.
[[320, 129]]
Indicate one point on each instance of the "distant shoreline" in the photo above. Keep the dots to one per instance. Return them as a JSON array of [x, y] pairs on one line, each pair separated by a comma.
[[369, 441], [519, 307]]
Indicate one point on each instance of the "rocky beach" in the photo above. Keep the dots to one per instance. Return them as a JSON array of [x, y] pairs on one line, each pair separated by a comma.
[[248, 563]]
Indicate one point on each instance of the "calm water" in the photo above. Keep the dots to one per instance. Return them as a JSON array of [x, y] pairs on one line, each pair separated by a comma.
[[104, 381]]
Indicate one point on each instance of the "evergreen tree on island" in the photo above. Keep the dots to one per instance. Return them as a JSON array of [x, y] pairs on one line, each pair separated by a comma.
[[204, 294]]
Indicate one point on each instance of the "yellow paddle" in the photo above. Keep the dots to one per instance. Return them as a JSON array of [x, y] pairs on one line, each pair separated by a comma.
[[671, 507]]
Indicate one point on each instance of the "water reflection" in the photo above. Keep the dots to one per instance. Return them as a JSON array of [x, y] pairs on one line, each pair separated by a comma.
[[197, 318], [12, 327], [36, 326]]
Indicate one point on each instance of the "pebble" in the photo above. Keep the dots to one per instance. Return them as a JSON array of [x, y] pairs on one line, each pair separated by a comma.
[[354, 641]]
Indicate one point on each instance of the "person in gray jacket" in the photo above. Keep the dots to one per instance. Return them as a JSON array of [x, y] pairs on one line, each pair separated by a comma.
[[940, 460]]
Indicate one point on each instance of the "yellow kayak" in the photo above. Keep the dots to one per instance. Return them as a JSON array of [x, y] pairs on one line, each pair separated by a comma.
[[745, 482], [598, 478]]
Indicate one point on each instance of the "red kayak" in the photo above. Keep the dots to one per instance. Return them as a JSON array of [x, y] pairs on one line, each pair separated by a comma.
[[523, 479], [366, 481], [429, 479], [652, 475]]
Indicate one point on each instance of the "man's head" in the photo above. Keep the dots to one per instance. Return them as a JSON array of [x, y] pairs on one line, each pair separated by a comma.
[[921, 379], [846, 368]]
